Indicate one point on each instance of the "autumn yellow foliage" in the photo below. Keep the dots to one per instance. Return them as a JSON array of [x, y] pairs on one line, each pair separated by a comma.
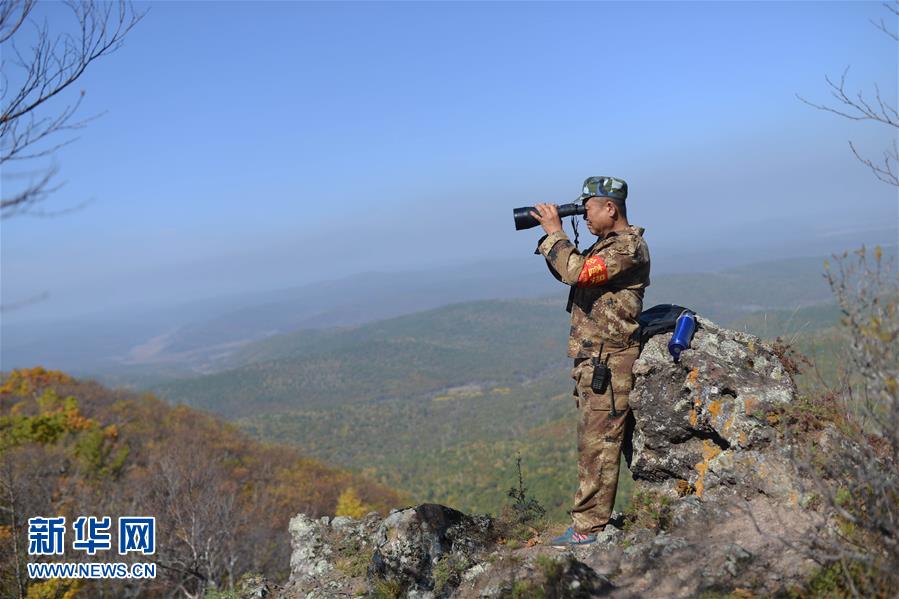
[[54, 588], [70, 447], [349, 504]]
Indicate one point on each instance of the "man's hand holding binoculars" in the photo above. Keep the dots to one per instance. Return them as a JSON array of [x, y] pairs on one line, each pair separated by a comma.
[[548, 217]]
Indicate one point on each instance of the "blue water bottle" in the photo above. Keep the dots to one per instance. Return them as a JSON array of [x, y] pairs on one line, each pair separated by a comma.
[[683, 333]]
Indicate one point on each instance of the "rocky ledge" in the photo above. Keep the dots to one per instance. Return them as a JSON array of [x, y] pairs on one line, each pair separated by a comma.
[[718, 506]]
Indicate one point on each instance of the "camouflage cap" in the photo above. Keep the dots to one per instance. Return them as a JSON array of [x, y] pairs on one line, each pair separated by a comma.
[[604, 187]]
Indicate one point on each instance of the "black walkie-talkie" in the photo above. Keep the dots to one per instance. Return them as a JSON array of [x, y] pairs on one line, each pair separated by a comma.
[[602, 376]]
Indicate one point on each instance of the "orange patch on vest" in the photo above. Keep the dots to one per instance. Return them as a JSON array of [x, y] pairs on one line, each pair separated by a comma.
[[593, 273]]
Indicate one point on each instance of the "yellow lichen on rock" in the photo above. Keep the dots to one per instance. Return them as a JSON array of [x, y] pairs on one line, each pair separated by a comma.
[[694, 374], [709, 452], [728, 423], [701, 467]]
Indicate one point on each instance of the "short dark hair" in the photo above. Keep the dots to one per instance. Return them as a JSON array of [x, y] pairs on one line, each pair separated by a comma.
[[621, 205]]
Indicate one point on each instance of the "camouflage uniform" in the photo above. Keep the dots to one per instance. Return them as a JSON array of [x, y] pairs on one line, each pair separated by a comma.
[[606, 298]]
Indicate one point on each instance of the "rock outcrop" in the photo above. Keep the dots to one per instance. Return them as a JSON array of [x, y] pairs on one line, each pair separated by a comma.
[[707, 423], [716, 499], [421, 551]]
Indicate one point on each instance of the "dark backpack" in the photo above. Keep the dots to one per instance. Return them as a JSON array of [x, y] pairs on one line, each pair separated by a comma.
[[658, 319]]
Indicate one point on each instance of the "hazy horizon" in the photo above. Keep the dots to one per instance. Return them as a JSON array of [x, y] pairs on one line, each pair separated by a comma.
[[268, 146]]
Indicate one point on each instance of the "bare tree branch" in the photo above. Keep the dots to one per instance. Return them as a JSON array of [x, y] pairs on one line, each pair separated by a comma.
[[48, 69], [36, 191], [858, 108], [887, 172], [881, 25], [9, 23]]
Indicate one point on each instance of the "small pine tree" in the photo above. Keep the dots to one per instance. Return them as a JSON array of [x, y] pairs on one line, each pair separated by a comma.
[[525, 507]]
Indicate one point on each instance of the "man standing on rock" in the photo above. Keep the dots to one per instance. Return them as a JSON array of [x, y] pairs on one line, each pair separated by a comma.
[[607, 284]]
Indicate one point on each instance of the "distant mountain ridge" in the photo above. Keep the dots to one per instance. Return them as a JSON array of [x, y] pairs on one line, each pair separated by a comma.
[[492, 341], [204, 337]]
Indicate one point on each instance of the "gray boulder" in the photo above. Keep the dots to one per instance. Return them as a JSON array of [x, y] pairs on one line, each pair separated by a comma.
[[311, 553], [708, 422], [425, 549], [330, 556]]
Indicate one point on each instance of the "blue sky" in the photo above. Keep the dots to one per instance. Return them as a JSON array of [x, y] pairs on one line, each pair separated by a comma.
[[261, 145]]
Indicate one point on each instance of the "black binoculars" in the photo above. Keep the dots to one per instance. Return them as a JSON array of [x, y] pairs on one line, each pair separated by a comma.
[[524, 220]]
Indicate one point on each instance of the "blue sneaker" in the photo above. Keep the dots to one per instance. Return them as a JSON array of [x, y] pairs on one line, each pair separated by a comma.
[[572, 538]]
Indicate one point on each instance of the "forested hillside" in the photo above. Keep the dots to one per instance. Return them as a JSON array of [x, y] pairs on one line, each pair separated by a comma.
[[458, 447], [440, 403], [491, 342], [221, 500]]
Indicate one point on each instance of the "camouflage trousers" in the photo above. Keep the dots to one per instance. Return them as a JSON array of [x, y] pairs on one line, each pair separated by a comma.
[[601, 436]]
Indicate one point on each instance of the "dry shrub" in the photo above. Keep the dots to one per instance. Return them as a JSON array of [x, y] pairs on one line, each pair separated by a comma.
[[846, 439]]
